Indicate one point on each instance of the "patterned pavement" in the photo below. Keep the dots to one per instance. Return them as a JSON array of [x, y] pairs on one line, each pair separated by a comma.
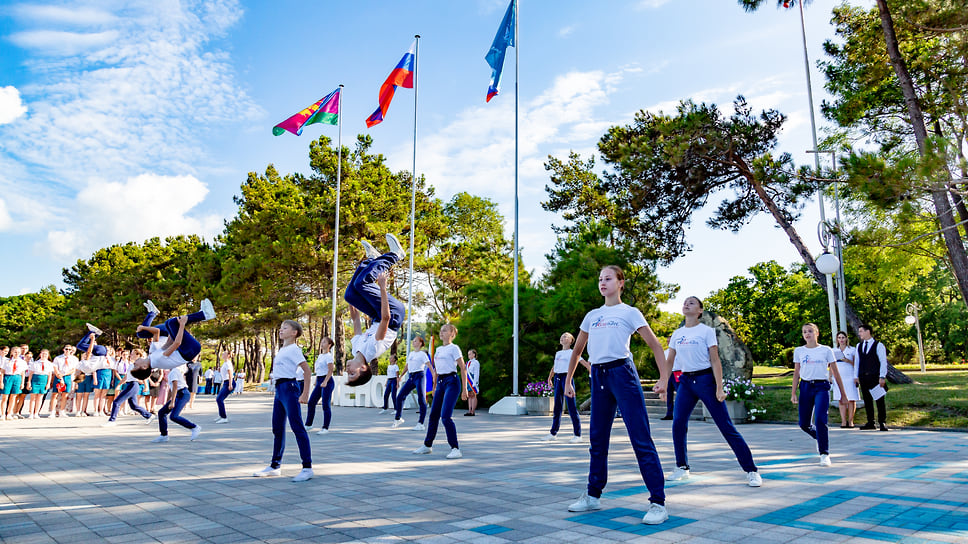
[[70, 480]]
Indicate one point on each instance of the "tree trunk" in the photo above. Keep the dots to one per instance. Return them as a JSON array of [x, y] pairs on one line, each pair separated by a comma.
[[957, 255], [893, 375]]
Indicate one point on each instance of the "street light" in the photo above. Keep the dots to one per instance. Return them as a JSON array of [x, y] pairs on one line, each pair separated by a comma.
[[838, 242], [914, 318], [828, 264]]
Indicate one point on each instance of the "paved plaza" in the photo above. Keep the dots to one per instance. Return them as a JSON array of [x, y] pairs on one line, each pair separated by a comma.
[[70, 480]]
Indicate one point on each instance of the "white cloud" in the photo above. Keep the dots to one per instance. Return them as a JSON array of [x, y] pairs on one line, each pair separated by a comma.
[[123, 91], [566, 31], [11, 106], [5, 221], [139, 208], [651, 4]]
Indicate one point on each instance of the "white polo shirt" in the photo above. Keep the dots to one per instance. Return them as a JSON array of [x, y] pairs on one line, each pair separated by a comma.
[[609, 330]]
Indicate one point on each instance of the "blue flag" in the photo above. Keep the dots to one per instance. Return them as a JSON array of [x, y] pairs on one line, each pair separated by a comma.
[[495, 55]]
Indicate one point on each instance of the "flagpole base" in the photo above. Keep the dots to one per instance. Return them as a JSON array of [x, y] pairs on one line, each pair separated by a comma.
[[509, 406]]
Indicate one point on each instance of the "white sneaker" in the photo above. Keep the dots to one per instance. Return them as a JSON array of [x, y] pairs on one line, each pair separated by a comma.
[[152, 417], [395, 246], [94, 329], [109, 423], [383, 411], [680, 473], [222, 420], [161, 439], [548, 437], [656, 515], [575, 439], [824, 460], [207, 309], [268, 471], [418, 426], [396, 423], [455, 454], [304, 474], [323, 431], [371, 252], [150, 306], [585, 503], [755, 479], [195, 432], [423, 449]]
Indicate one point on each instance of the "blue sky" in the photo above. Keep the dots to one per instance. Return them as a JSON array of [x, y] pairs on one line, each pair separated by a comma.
[[121, 120]]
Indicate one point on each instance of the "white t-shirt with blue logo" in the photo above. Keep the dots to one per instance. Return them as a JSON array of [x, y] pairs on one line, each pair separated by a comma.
[[609, 330], [813, 361], [562, 359], [691, 345]]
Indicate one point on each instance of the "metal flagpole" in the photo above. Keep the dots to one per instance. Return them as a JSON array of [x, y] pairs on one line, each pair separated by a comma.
[[339, 176], [517, 48], [413, 192]]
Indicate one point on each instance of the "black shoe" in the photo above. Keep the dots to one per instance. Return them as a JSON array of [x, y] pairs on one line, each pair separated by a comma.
[[868, 427], [883, 427], [469, 413], [666, 418]]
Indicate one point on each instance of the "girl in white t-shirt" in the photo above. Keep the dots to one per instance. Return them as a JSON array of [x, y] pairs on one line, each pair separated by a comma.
[[556, 379], [325, 367], [393, 381], [846, 356], [447, 359], [473, 382], [615, 384], [178, 396], [227, 373], [694, 349], [418, 363], [810, 377], [285, 406]]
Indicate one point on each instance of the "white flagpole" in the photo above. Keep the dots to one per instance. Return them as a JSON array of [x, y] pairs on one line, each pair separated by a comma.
[[339, 176], [517, 48], [413, 193]]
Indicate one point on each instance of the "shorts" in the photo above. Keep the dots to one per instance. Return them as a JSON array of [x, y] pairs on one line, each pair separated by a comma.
[[86, 385], [12, 385], [38, 384], [66, 380], [104, 378]]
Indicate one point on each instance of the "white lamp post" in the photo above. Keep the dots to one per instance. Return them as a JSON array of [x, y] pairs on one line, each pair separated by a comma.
[[828, 264], [913, 318]]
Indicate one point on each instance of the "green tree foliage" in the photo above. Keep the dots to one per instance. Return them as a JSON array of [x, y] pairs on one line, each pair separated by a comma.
[[27, 319]]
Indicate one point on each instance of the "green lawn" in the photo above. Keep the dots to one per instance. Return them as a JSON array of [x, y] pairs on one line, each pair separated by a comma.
[[935, 399]]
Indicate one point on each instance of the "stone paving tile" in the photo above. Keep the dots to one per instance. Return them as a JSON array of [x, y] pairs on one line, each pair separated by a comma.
[[369, 487]]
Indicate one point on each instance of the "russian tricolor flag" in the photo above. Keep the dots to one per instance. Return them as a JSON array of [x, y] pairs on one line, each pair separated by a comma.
[[495, 55], [401, 76]]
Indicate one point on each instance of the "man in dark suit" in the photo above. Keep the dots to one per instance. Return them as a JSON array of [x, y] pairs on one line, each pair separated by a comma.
[[869, 372]]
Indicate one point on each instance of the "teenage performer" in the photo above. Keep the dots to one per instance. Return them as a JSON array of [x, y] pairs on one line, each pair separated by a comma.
[[811, 362], [417, 361], [98, 365], [286, 403], [846, 356], [177, 399], [367, 293], [64, 367], [556, 379], [393, 381], [228, 384], [695, 347], [325, 366], [473, 382], [447, 359], [615, 383], [13, 381], [177, 350], [129, 389], [38, 376]]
